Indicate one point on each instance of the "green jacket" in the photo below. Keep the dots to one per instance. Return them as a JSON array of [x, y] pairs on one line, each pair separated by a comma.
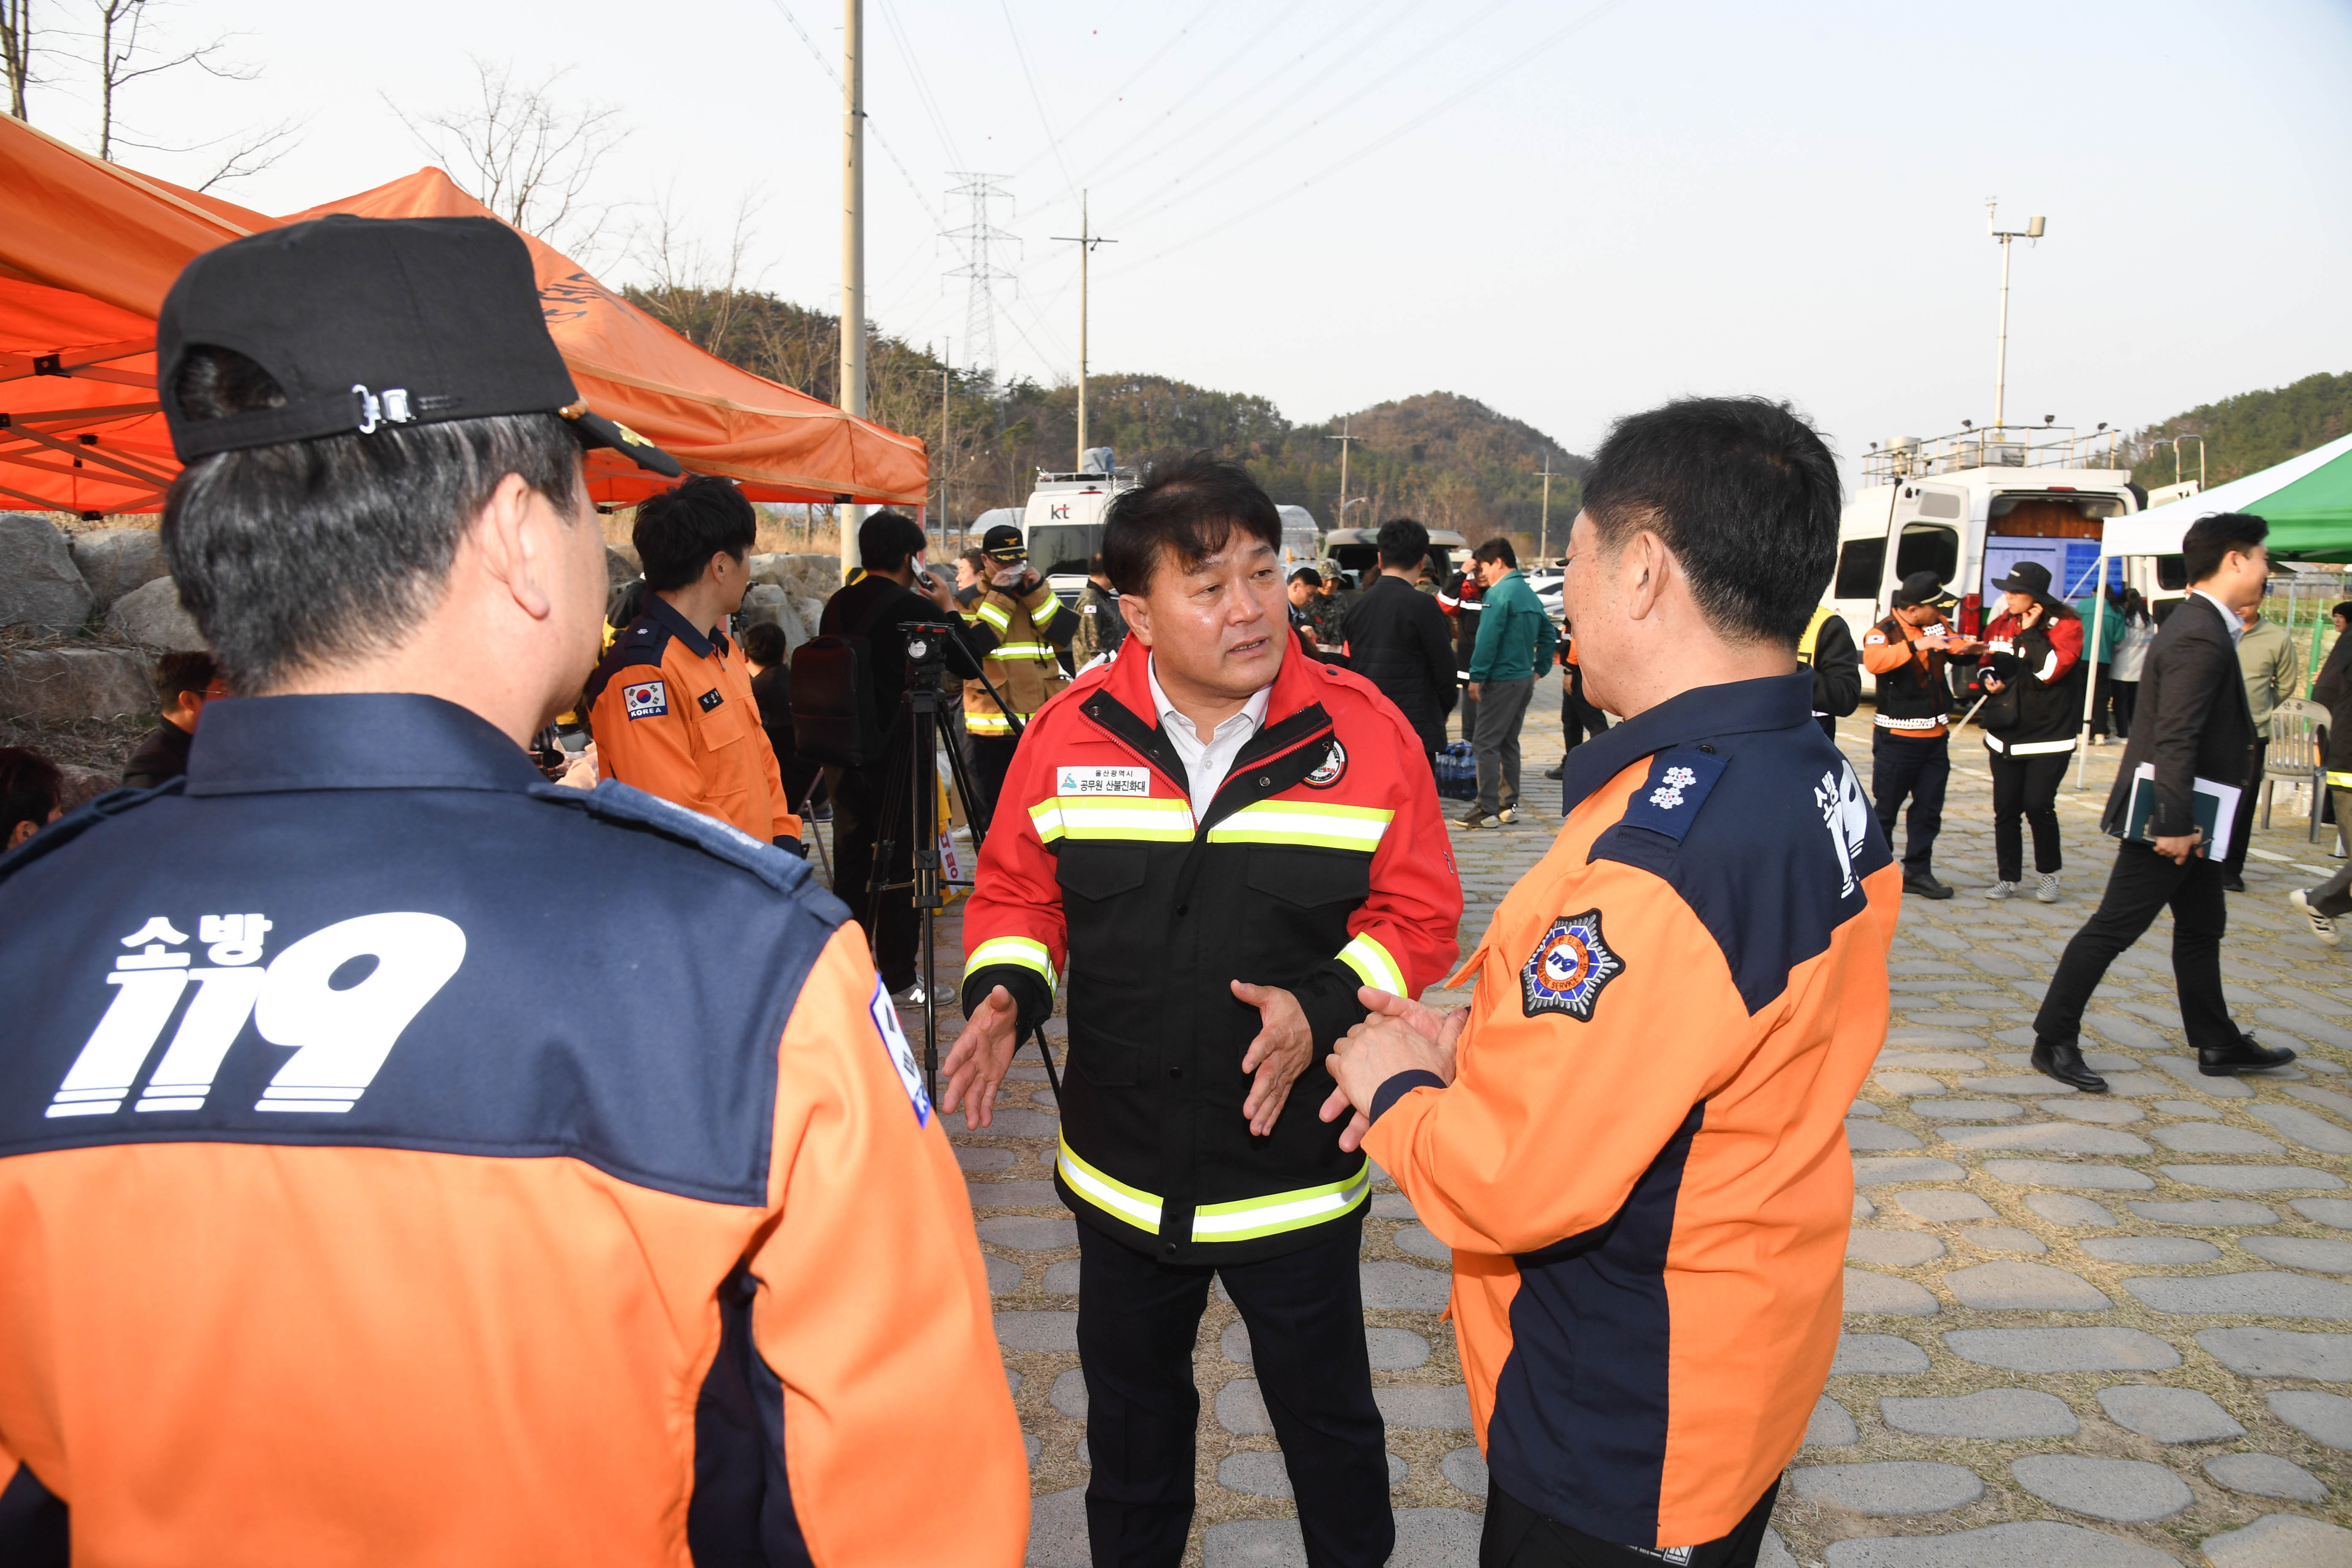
[[1515, 636], [2111, 628]]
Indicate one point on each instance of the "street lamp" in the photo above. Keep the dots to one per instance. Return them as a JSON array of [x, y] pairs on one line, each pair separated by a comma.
[[2032, 230]]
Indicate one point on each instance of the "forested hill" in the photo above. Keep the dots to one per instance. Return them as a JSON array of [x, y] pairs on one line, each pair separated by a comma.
[[1449, 460], [2249, 432]]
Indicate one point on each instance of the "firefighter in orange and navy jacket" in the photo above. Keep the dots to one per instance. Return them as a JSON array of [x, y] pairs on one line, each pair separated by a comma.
[[360, 1204], [670, 704], [1218, 841], [1640, 1159], [1910, 752]]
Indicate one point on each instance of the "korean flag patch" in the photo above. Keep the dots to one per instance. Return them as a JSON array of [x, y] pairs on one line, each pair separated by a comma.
[[1569, 969], [645, 699]]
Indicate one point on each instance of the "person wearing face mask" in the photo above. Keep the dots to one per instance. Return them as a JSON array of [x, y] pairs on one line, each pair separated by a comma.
[[1224, 844], [1910, 752]]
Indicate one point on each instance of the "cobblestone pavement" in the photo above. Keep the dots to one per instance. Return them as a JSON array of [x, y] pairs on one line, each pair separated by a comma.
[[2105, 1330]]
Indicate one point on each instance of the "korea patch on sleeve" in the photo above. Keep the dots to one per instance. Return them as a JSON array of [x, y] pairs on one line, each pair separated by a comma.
[[902, 1055], [1569, 969], [645, 699]]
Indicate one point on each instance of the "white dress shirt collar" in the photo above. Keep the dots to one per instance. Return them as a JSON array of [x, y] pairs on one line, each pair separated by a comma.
[[1205, 766], [2229, 616]]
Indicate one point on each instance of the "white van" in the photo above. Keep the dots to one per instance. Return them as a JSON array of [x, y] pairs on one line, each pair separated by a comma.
[[1062, 525], [1971, 506]]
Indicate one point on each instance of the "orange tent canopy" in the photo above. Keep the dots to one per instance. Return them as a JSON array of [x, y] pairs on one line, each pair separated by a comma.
[[88, 251]]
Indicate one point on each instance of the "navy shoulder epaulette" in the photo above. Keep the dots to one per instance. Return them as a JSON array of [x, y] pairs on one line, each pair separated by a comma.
[[615, 802], [644, 641], [80, 820]]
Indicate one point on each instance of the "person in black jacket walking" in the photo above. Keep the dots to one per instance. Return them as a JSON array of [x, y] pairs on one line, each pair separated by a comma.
[[2324, 905], [1396, 636], [2193, 723]]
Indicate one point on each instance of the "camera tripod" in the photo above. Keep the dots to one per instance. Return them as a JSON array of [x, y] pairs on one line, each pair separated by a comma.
[[914, 741]]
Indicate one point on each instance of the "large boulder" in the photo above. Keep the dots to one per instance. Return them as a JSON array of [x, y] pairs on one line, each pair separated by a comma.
[[114, 561], [800, 576], [59, 685], [39, 585], [618, 568], [153, 616], [766, 601]]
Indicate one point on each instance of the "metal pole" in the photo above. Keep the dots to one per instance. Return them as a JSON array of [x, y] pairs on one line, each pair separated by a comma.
[[1543, 528], [2090, 676], [1086, 236], [945, 355], [2000, 349], [853, 246]]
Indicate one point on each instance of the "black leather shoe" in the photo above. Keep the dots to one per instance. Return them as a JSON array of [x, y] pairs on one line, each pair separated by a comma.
[[1557, 769], [2246, 1056], [1926, 885], [2063, 1059], [2232, 883]]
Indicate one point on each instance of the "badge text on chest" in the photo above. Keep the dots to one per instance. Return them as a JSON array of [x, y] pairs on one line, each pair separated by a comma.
[[709, 700], [1102, 781]]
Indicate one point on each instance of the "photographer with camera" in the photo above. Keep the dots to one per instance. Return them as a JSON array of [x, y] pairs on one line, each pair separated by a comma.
[[1020, 628], [896, 593]]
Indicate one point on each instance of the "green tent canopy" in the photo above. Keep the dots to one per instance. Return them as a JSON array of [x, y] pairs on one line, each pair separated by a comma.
[[2307, 502]]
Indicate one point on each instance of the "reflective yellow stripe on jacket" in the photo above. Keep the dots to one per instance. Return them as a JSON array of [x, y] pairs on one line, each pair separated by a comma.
[[994, 614], [1245, 1219], [1305, 822], [1376, 964], [1025, 953], [1093, 816]]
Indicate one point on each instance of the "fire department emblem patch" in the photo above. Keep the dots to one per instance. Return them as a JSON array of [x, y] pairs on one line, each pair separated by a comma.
[[1333, 768], [1569, 969]]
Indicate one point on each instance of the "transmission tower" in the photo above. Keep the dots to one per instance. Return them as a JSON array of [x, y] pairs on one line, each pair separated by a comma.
[[980, 241]]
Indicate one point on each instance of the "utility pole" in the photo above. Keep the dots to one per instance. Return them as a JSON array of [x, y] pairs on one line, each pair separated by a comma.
[[2032, 230], [1340, 518], [853, 246], [1086, 239], [1543, 528], [947, 364]]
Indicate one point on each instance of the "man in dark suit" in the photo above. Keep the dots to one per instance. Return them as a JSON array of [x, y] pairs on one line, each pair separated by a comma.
[[1397, 638], [2192, 723]]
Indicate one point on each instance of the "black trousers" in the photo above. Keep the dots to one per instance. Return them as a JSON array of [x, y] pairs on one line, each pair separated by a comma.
[[2235, 860], [2027, 787], [2102, 695], [2142, 883], [2126, 700], [1579, 720], [858, 796], [1517, 1536], [992, 759], [1137, 1320], [1922, 770]]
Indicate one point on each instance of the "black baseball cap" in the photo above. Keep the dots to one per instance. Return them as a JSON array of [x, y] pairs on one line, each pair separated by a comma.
[[364, 322], [1003, 542], [1921, 588], [2026, 577]]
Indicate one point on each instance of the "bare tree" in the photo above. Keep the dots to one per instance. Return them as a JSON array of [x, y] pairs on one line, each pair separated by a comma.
[[525, 152], [689, 285], [17, 52], [127, 52]]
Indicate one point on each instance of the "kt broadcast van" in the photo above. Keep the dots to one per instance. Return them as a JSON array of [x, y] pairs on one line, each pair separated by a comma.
[[1970, 506]]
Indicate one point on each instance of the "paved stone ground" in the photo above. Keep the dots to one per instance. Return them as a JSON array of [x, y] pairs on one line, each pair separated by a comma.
[[2080, 1330]]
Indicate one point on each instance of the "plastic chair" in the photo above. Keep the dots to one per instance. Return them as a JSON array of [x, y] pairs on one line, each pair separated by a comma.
[[2295, 754]]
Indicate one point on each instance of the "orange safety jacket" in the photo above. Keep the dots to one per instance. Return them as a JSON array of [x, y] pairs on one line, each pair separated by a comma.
[[1641, 1165], [672, 712], [1320, 866], [363, 1202], [1914, 701]]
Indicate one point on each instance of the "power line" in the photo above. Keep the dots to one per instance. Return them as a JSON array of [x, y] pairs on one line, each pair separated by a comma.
[[1035, 97], [872, 129], [922, 84], [1368, 149], [1136, 75]]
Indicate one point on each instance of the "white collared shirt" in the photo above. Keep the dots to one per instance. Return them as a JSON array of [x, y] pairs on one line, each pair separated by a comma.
[[2229, 616], [1205, 766]]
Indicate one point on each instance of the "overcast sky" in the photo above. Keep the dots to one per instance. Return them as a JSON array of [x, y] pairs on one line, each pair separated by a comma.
[[1566, 210]]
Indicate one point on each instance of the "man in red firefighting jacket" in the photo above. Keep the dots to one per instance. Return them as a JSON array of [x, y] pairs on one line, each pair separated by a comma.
[[1219, 841]]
